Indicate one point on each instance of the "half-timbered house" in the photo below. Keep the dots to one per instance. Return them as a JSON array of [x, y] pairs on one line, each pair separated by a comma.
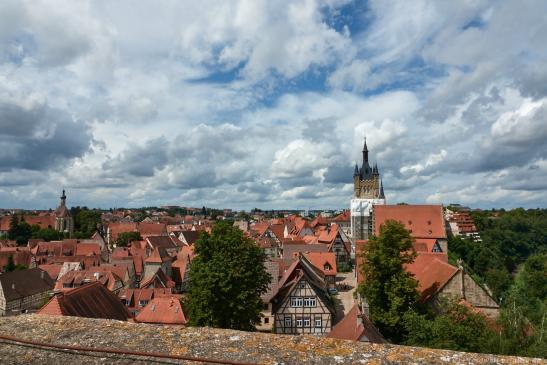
[[302, 304]]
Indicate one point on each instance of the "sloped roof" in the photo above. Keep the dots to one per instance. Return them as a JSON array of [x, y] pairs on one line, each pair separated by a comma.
[[88, 249], [345, 216], [53, 270], [320, 259], [91, 300], [165, 280], [21, 284], [163, 310], [116, 228], [161, 241], [425, 244], [432, 271], [302, 268], [356, 327], [152, 229], [423, 221], [81, 277], [190, 236]]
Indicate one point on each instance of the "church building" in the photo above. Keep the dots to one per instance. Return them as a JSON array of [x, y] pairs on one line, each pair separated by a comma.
[[63, 221], [368, 190]]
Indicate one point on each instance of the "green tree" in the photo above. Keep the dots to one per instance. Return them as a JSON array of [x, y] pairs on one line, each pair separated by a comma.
[[125, 238], [456, 327], [13, 231], [390, 290], [10, 266], [227, 279]]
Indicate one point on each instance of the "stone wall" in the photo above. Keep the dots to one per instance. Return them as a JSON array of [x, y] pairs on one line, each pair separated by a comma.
[[257, 348]]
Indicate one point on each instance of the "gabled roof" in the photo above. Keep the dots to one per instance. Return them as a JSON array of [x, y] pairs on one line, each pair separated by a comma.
[[432, 271], [161, 241], [88, 249], [302, 269], [152, 229], [24, 283], [356, 326], [345, 216], [423, 221], [190, 236], [53, 270], [163, 310], [425, 244], [158, 277], [91, 300], [133, 296], [321, 259], [158, 256], [81, 277]]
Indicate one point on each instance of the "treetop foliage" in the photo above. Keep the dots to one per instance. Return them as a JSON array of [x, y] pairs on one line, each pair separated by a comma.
[[227, 279], [388, 288]]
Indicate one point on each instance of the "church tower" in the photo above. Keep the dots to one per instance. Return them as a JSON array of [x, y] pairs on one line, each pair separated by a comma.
[[368, 190], [63, 220]]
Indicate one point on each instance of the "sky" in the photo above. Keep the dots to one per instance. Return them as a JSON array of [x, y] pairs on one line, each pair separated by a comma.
[[243, 104]]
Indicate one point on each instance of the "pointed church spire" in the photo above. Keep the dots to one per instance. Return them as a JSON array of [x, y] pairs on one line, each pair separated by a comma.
[[365, 152], [382, 196], [356, 171], [63, 198]]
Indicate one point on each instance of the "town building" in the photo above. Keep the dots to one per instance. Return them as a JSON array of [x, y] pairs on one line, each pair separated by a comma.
[[163, 310], [356, 326], [425, 223], [91, 300], [63, 220], [368, 190], [24, 290], [438, 280], [302, 304]]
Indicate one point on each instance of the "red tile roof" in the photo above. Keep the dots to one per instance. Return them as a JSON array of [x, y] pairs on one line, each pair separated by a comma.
[[163, 310], [88, 249], [345, 217], [423, 221], [432, 271], [322, 259], [356, 327], [152, 229], [53, 270], [91, 300], [116, 228]]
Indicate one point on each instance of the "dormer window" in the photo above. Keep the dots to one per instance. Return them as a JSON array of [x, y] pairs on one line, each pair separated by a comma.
[[327, 267]]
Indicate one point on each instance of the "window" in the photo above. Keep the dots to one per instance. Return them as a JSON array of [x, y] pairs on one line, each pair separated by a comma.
[[301, 284], [296, 302], [142, 303], [298, 321], [288, 321], [318, 322], [266, 320], [437, 248], [309, 302], [327, 267], [307, 322]]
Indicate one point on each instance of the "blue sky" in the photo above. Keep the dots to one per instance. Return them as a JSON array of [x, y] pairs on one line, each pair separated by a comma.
[[265, 104]]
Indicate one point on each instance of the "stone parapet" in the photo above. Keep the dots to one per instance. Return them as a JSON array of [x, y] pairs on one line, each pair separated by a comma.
[[217, 344]]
